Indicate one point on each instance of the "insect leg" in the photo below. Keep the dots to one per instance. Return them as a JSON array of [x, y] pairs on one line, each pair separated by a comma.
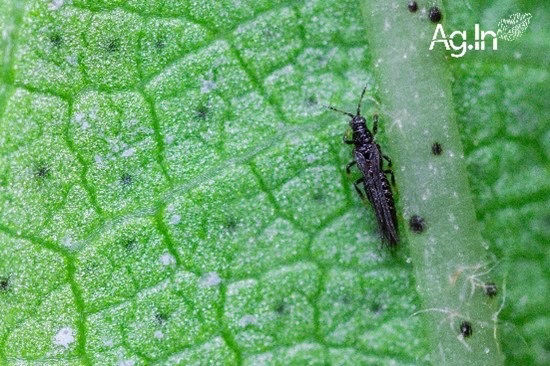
[[390, 172], [345, 138], [349, 165], [359, 181], [374, 124], [346, 141], [387, 159]]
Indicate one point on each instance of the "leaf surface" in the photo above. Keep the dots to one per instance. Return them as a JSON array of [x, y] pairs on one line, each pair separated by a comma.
[[172, 190]]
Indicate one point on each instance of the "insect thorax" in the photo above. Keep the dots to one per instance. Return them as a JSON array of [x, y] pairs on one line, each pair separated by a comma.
[[361, 134]]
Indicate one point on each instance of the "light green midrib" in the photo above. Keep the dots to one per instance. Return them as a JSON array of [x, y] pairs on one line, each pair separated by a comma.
[[417, 109]]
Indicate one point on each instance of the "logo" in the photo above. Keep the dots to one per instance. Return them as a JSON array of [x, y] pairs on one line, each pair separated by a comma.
[[512, 28], [509, 29]]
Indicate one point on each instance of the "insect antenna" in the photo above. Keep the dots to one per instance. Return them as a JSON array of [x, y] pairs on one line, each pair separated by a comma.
[[340, 111], [360, 100]]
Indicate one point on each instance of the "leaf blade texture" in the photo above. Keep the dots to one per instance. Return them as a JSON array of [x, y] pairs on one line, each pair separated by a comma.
[[173, 192]]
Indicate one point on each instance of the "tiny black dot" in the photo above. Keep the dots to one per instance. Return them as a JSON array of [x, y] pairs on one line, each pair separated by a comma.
[[280, 308], [129, 244], [161, 318], [417, 224], [126, 179], [318, 196], [466, 329], [91, 267], [231, 225], [160, 43], [311, 100], [113, 45], [55, 40], [345, 299], [42, 171], [4, 284], [413, 6], [270, 33], [201, 112], [435, 14], [436, 148], [490, 289], [375, 307]]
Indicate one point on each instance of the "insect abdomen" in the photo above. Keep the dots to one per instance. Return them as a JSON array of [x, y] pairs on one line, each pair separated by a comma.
[[385, 213]]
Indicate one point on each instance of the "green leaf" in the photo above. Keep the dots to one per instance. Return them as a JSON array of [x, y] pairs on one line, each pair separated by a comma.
[[172, 190]]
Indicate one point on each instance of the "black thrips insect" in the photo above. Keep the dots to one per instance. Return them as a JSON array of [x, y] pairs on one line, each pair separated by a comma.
[[466, 329], [490, 289], [369, 159]]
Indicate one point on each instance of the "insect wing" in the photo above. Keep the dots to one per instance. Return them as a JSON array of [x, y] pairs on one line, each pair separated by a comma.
[[364, 166], [376, 186], [385, 211]]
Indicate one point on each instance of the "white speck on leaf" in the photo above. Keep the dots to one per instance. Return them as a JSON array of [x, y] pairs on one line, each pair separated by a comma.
[[81, 120], [128, 152], [310, 158], [247, 320], [64, 337], [126, 363], [167, 259], [98, 160], [397, 123], [55, 4], [71, 60], [175, 219], [68, 242], [210, 279], [114, 145], [207, 85], [169, 139], [158, 334]]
